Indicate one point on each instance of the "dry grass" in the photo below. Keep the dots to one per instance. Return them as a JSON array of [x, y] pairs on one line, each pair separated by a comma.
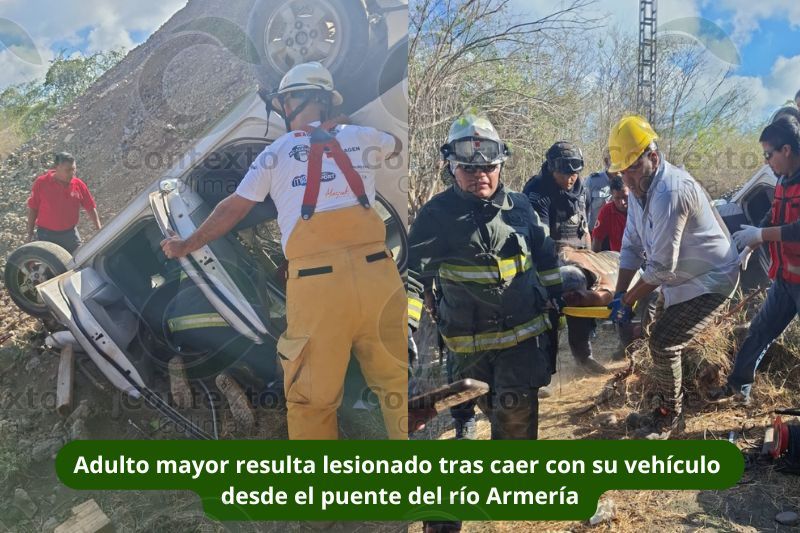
[[10, 140], [708, 360], [581, 408]]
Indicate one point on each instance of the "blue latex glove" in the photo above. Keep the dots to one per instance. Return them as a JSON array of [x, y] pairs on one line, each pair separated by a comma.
[[621, 314]]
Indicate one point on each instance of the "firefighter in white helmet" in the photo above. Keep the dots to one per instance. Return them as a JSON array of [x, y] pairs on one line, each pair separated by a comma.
[[344, 292], [485, 268]]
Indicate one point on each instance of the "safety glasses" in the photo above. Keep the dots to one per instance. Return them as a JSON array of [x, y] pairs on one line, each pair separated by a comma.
[[476, 150], [474, 169], [568, 165]]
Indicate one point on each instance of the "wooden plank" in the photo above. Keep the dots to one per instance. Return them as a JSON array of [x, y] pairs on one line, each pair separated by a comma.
[[86, 518], [66, 378]]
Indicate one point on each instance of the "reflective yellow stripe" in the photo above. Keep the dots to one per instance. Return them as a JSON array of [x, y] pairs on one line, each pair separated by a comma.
[[514, 265], [498, 340], [504, 269], [588, 312], [414, 308], [202, 320], [550, 277]]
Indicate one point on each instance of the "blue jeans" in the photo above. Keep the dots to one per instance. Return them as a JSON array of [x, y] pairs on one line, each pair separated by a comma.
[[780, 307]]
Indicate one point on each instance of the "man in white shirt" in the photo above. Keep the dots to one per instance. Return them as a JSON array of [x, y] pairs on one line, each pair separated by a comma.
[[674, 231], [343, 290]]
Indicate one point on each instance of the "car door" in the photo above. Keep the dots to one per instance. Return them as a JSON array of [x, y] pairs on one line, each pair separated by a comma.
[[95, 313], [217, 268]]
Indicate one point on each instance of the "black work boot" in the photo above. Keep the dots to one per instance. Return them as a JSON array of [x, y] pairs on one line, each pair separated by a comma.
[[619, 353], [466, 429], [441, 526], [590, 365], [659, 424]]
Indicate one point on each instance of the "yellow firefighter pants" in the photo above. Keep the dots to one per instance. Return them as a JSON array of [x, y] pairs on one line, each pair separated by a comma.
[[343, 293]]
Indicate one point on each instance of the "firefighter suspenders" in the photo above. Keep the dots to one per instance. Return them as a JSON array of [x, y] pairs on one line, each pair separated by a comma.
[[322, 143]]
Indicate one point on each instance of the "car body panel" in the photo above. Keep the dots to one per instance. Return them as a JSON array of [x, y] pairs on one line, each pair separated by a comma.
[[65, 295], [171, 209], [748, 205]]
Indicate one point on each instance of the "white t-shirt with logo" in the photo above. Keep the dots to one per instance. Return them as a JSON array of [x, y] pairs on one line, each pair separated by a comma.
[[281, 169]]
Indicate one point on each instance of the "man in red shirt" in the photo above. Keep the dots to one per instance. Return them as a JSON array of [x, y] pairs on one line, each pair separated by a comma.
[[55, 202], [610, 225]]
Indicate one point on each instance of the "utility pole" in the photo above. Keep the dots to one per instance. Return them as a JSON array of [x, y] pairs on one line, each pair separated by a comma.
[[646, 87]]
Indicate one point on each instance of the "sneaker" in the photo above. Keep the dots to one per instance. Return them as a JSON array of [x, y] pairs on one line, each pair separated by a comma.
[[179, 386], [657, 425], [466, 429], [590, 365], [729, 395], [544, 392], [242, 412]]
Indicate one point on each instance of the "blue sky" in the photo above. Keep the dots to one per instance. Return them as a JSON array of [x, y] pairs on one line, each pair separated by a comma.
[[766, 33], [75, 27], [774, 36]]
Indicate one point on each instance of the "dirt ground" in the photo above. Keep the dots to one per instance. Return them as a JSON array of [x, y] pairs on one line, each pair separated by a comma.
[[750, 506], [31, 433]]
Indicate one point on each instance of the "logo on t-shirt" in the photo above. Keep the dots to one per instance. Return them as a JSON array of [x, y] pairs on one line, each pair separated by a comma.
[[300, 153], [300, 181]]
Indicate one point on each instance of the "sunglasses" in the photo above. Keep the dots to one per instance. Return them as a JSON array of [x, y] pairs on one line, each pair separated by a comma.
[[768, 154], [474, 169]]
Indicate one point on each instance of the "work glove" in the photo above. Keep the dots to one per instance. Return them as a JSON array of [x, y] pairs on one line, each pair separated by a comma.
[[748, 236], [744, 257], [621, 314]]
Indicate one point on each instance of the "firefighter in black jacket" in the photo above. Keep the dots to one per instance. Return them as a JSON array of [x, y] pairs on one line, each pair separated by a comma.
[[481, 250], [558, 196]]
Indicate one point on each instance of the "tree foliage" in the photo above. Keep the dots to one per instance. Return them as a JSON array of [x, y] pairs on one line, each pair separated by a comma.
[[25, 107], [562, 76]]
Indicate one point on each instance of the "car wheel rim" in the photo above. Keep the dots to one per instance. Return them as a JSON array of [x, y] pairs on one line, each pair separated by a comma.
[[31, 274], [302, 31]]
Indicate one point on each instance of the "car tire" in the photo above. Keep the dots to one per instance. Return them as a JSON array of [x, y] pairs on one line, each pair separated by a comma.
[[275, 21], [29, 265]]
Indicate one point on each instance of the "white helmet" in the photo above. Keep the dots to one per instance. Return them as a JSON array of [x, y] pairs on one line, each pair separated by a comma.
[[307, 76], [473, 140]]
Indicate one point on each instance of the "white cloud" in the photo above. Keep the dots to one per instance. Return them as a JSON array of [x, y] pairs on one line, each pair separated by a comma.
[[748, 14], [17, 68], [110, 24], [109, 37], [611, 13], [773, 90]]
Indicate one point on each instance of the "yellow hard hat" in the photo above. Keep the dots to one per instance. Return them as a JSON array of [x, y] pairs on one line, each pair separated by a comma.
[[628, 140]]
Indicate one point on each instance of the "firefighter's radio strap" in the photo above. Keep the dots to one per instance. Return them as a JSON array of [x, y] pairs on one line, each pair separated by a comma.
[[323, 143]]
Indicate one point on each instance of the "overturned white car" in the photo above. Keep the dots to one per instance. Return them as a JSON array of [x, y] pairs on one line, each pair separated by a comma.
[[131, 309]]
